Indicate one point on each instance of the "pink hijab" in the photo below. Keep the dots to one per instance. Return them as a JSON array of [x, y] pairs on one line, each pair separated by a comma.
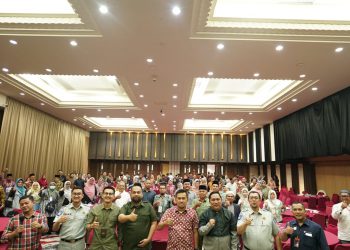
[[89, 188]]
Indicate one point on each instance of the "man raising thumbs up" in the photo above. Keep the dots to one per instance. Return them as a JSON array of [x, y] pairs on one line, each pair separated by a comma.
[[138, 222]]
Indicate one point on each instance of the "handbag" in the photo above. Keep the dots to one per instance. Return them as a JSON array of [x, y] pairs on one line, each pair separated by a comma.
[[50, 207], [8, 203]]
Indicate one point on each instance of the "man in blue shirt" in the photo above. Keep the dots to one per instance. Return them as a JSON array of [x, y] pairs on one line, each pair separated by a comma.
[[304, 234]]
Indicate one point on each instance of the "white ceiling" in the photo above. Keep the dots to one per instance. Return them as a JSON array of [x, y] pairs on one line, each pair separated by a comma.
[[183, 48]]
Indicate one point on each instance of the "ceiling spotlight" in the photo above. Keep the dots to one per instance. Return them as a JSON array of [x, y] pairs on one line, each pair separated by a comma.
[[340, 49], [195, 112], [141, 96], [256, 75], [216, 118], [174, 121], [174, 106], [302, 76], [210, 73], [253, 123], [176, 10], [250, 113], [99, 110], [5, 69], [73, 43], [174, 96], [13, 42], [73, 109], [156, 128], [163, 114], [220, 46], [48, 70], [279, 47], [127, 110], [149, 60], [42, 104], [95, 70], [75, 120], [154, 125], [133, 117], [175, 84], [83, 124], [314, 89], [103, 9], [136, 84], [152, 121], [145, 105], [22, 93], [279, 108], [90, 127], [294, 100], [222, 112]]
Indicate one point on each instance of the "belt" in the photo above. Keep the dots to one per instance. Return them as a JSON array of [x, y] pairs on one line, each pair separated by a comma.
[[72, 241]]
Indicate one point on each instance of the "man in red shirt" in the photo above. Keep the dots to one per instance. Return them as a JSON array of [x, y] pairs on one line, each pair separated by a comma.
[[182, 223]]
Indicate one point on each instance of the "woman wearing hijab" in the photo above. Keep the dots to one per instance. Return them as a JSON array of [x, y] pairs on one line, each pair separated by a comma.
[[49, 203], [20, 191], [67, 193], [274, 205], [170, 187], [90, 191], [34, 192], [43, 182], [243, 201]]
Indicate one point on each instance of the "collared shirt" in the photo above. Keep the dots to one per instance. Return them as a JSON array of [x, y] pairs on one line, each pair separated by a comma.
[[181, 232], [30, 237], [75, 227], [104, 236], [191, 196], [224, 223], [165, 203], [260, 233], [310, 234], [204, 206], [124, 198], [343, 217], [148, 195], [133, 232]]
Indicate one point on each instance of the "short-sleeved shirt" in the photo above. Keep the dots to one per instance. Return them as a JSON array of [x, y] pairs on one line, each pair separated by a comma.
[[30, 238], [133, 232], [181, 232], [148, 196], [75, 227], [104, 236], [260, 234], [204, 206], [310, 234]]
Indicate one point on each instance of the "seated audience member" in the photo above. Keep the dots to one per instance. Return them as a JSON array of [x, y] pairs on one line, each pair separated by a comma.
[[304, 234], [43, 182], [79, 182], [274, 205], [122, 197], [24, 230], [49, 203], [34, 191], [90, 191], [341, 212]]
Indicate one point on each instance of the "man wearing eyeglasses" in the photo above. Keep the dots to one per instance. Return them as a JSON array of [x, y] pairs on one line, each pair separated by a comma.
[[257, 226], [71, 221], [103, 219], [341, 212]]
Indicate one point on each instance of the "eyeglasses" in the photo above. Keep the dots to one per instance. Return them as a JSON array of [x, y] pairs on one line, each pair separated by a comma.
[[76, 194], [254, 198], [108, 193]]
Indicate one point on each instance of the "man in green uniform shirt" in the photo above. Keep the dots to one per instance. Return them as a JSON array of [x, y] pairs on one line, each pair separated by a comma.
[[138, 222], [103, 219]]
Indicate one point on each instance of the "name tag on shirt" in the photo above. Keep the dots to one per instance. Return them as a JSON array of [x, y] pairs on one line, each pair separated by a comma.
[[308, 234]]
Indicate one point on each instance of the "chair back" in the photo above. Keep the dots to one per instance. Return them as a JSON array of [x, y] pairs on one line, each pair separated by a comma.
[[287, 219], [286, 247], [332, 229], [319, 219], [335, 198], [332, 221], [312, 202], [342, 247]]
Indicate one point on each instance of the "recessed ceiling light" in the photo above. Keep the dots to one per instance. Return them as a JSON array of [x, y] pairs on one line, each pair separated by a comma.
[[127, 110], [302, 76], [210, 73], [73, 109], [103, 9], [294, 100], [174, 129], [175, 84], [5, 69], [42, 104], [152, 121], [90, 127], [192, 118], [75, 120], [176, 10], [107, 116], [95, 70], [314, 89], [279, 47], [85, 116], [340, 49], [141, 96], [99, 110], [145, 105], [21, 93], [174, 125], [174, 96], [73, 43], [149, 60], [195, 112], [240, 130], [0, 82], [242, 119], [246, 127], [222, 112], [250, 113], [156, 128], [279, 108], [48, 70], [13, 42], [83, 124], [163, 114], [136, 84], [253, 123], [220, 46], [133, 117], [256, 75], [154, 125], [216, 118], [174, 121], [174, 106]]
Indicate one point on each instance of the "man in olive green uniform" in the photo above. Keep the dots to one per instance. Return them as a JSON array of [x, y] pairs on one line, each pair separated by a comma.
[[103, 220], [138, 222]]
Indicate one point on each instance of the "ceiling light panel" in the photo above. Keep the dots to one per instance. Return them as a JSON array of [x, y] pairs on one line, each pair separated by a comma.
[[117, 123], [210, 125]]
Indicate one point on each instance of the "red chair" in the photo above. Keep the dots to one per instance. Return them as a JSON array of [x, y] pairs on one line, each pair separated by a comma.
[[288, 202], [342, 247], [286, 247], [287, 219], [312, 202], [332, 229], [306, 205], [319, 219], [332, 221], [335, 198]]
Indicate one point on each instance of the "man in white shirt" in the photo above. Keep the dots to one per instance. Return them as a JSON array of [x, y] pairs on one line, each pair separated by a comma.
[[122, 197], [341, 212]]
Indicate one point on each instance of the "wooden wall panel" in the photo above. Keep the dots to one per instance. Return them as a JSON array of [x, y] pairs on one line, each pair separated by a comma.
[[92, 145], [101, 145]]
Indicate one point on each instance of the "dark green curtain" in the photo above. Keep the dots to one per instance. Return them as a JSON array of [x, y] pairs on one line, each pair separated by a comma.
[[283, 175], [258, 145], [251, 151], [295, 178], [309, 178], [321, 129], [1, 115], [267, 143]]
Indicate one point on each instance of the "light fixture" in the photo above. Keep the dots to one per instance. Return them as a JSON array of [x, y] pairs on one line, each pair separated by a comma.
[[174, 96], [156, 128], [294, 100], [176, 10], [314, 89], [174, 106], [174, 125], [163, 114], [175, 84], [192, 118], [216, 118], [222, 112], [48, 70], [256, 75], [5, 69], [250, 113], [95, 70], [279, 47], [302, 76], [99, 110], [152, 121], [73, 109], [195, 112], [127, 110], [75, 120], [210, 73], [340, 49], [220, 46], [136, 84], [21, 93], [133, 117], [154, 125], [103, 9], [145, 105], [83, 124], [42, 104], [253, 123], [279, 108], [90, 127], [174, 121], [141, 96], [13, 42], [149, 60], [73, 43]]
